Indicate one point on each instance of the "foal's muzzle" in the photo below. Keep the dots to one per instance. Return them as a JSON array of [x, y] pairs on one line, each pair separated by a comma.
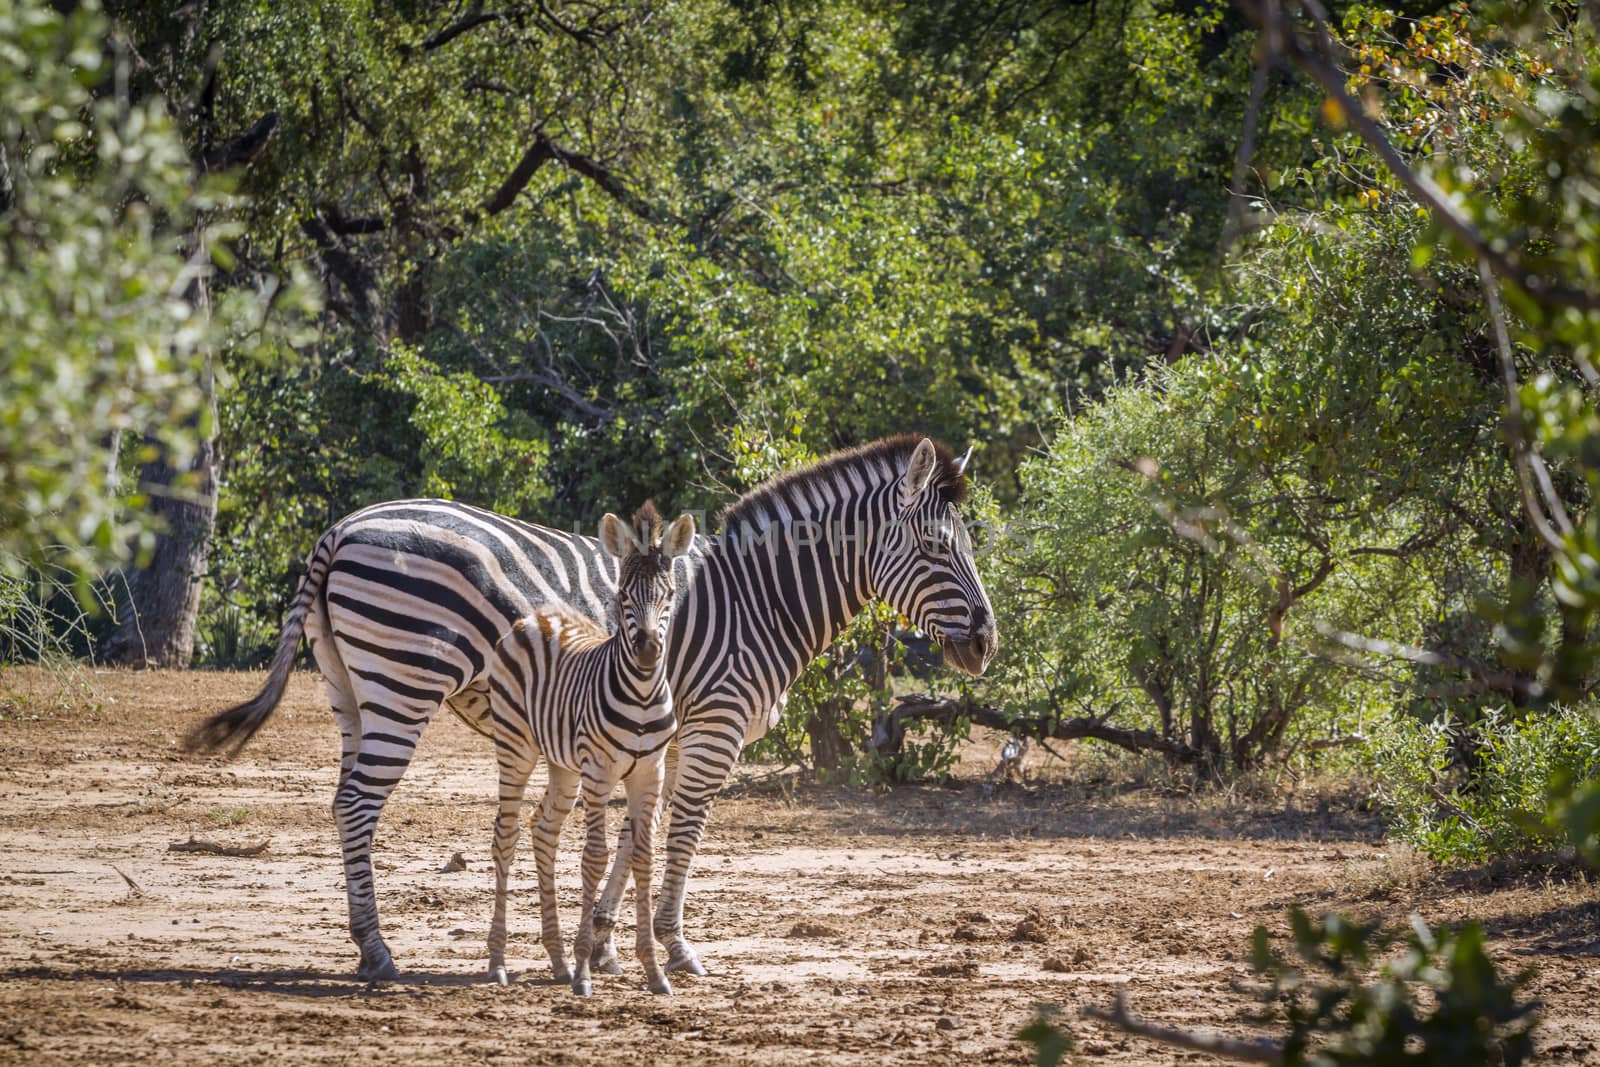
[[647, 650]]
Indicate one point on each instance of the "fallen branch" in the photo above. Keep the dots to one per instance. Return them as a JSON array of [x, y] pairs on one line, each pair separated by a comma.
[[1261, 1051], [214, 849], [888, 731], [1334, 742], [133, 887]]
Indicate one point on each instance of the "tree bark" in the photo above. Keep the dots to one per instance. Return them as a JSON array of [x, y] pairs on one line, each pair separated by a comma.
[[829, 748], [157, 613]]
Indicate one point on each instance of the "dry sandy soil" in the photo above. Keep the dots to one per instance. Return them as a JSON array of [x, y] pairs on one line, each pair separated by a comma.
[[839, 927]]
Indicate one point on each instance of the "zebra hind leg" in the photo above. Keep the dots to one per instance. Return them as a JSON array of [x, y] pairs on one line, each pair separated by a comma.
[[389, 732]]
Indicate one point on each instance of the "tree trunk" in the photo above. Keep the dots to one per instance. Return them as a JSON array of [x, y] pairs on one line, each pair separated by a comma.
[[159, 608], [159, 604], [829, 748]]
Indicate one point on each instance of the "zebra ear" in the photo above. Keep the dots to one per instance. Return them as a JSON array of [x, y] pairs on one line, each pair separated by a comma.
[[614, 535], [680, 535], [919, 472], [961, 464]]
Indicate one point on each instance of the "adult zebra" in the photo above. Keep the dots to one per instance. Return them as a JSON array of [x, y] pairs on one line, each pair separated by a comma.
[[403, 602]]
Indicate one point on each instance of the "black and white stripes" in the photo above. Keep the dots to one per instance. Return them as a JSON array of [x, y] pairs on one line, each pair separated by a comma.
[[403, 603], [599, 710]]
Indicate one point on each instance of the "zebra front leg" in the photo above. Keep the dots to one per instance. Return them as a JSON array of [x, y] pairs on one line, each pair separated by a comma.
[[704, 762], [590, 925], [644, 790], [554, 807], [516, 761], [603, 959]]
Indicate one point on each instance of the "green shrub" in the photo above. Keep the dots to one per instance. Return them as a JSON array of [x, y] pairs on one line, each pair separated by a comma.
[[1340, 1012], [1498, 804], [1435, 998]]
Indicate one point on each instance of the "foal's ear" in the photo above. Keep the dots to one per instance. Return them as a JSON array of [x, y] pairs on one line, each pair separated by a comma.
[[680, 535], [615, 537], [919, 472]]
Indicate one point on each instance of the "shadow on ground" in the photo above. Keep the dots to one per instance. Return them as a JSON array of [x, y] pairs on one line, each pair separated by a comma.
[[1056, 811], [288, 982]]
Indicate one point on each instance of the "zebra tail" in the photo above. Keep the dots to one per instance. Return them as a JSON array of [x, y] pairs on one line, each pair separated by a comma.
[[230, 729]]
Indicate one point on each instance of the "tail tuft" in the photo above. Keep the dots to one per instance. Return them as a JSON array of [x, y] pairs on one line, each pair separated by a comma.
[[228, 731]]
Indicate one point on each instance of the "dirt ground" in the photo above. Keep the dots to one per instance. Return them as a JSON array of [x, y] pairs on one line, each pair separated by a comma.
[[920, 927]]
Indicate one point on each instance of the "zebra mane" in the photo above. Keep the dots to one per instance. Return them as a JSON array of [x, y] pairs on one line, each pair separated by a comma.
[[645, 554], [546, 618], [869, 464]]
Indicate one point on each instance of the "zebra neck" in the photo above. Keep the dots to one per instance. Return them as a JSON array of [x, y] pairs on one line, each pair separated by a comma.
[[638, 687], [795, 582]]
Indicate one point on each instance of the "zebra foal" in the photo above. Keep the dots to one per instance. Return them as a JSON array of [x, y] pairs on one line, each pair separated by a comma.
[[599, 710]]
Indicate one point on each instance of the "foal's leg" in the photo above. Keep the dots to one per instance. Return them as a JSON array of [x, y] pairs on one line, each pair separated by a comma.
[[516, 762], [596, 791], [604, 959], [644, 790], [559, 797]]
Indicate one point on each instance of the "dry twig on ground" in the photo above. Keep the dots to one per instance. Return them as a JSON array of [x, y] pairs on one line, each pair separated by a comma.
[[214, 849]]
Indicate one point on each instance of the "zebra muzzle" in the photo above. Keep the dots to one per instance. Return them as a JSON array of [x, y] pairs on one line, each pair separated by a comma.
[[648, 651]]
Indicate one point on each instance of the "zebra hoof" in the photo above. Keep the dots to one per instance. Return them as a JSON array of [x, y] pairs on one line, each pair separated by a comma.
[[661, 986], [378, 967], [582, 987], [561, 974], [687, 963], [498, 975], [609, 965]]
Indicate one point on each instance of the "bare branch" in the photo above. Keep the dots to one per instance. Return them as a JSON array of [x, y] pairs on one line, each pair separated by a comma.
[[1377, 646], [888, 732], [242, 150], [1247, 143], [602, 176], [542, 151], [1530, 466], [553, 382], [214, 849], [1315, 60], [134, 888], [470, 21], [1262, 1051], [1454, 809], [365, 308], [538, 154], [584, 35], [1322, 743]]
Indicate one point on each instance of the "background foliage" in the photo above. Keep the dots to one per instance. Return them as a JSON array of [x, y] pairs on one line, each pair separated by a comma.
[[1251, 484]]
